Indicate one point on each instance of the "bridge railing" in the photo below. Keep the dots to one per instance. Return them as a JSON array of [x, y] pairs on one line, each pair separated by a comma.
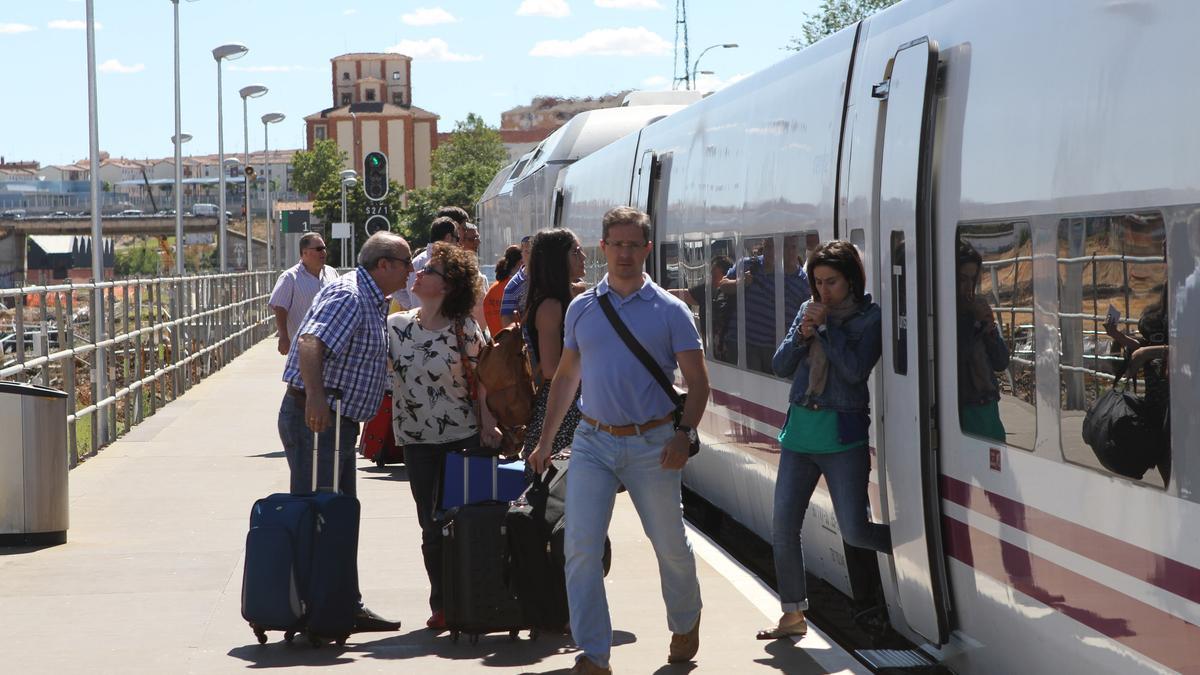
[[157, 338]]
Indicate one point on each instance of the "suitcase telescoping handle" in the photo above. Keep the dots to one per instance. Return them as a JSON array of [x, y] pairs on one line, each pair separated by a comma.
[[337, 444], [466, 460]]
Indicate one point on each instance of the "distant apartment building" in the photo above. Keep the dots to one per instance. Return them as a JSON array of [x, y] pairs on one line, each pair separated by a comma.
[[551, 112], [372, 111]]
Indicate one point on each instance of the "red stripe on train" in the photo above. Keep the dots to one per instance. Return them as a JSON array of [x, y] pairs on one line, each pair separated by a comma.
[[1170, 575], [1141, 627]]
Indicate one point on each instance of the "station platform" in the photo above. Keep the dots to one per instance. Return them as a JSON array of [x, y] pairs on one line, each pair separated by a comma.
[[150, 579]]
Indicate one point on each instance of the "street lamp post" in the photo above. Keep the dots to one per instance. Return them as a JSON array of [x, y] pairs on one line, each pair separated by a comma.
[[348, 181], [230, 51], [96, 312], [178, 140], [248, 92], [267, 121], [696, 66]]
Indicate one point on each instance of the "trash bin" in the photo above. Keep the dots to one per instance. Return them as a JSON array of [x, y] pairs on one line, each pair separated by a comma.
[[33, 454]]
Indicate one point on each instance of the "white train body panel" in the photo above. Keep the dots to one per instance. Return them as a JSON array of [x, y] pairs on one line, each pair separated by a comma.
[[1055, 134]]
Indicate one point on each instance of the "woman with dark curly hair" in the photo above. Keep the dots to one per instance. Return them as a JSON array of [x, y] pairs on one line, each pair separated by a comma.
[[434, 350], [556, 262], [829, 352]]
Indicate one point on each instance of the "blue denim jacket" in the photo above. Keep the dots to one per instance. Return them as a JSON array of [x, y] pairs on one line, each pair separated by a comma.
[[852, 348]]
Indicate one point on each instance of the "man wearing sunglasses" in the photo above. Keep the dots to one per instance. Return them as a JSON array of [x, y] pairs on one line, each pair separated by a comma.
[[443, 228], [341, 351], [297, 286]]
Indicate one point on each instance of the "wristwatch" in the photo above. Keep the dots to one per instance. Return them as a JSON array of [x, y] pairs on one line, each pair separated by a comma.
[[692, 436]]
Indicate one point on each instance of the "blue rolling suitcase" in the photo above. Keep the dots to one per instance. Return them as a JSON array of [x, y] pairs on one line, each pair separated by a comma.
[[301, 571], [471, 478]]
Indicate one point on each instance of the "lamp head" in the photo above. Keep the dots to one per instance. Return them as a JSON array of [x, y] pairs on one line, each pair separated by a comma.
[[272, 118], [347, 173], [183, 138], [252, 91], [230, 52], [730, 45], [349, 182]]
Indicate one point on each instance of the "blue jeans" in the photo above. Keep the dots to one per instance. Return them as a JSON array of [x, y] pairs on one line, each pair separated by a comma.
[[600, 462], [846, 475], [297, 441]]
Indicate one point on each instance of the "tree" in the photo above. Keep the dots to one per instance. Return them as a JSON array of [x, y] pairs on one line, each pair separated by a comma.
[[312, 169], [464, 165], [834, 15]]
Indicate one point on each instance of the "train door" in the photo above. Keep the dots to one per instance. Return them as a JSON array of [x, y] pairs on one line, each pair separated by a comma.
[[907, 437]]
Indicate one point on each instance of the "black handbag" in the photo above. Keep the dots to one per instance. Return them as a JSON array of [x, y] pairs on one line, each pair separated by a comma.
[[677, 397], [1122, 434]]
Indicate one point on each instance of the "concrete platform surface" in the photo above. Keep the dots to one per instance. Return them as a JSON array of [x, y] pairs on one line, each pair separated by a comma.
[[150, 579]]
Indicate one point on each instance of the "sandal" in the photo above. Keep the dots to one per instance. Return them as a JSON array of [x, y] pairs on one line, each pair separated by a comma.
[[798, 629]]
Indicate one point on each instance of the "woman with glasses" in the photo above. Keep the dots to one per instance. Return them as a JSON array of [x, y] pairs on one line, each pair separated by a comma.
[[434, 351], [556, 264]]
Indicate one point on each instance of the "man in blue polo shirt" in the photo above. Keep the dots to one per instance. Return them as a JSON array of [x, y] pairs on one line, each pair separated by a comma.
[[627, 437], [512, 303]]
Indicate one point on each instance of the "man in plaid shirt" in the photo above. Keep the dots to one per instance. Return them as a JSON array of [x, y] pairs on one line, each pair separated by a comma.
[[341, 347]]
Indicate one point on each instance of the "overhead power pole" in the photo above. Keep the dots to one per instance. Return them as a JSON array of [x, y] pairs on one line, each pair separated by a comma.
[[682, 58]]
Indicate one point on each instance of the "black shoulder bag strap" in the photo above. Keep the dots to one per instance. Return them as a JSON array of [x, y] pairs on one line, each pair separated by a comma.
[[646, 360]]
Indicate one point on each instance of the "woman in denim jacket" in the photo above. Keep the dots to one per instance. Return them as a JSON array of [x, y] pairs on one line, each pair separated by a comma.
[[829, 352]]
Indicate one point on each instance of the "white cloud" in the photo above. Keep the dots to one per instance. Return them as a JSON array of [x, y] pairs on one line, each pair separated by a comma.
[[268, 69], [606, 42], [71, 24], [14, 28], [115, 66], [433, 49], [349, 12], [555, 9], [428, 16], [656, 82], [629, 4], [710, 83]]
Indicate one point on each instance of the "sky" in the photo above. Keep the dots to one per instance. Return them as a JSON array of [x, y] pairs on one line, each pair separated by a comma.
[[481, 56]]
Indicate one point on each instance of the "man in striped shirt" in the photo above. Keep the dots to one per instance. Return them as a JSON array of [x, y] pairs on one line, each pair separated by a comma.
[[513, 300], [341, 352], [297, 286], [758, 276]]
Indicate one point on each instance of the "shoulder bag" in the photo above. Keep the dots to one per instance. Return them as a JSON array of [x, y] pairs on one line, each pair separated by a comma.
[[677, 397]]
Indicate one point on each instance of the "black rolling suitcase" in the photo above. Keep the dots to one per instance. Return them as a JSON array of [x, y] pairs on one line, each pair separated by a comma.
[[301, 569], [536, 525], [475, 598]]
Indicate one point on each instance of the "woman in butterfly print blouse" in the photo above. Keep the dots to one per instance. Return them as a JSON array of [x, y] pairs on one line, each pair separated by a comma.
[[435, 409]]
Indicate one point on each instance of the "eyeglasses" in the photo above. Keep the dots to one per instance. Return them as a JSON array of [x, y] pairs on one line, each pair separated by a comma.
[[578, 250], [429, 270], [626, 245], [315, 248], [471, 237], [406, 261]]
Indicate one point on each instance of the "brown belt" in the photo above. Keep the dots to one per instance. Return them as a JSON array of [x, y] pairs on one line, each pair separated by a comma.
[[297, 395], [629, 429]]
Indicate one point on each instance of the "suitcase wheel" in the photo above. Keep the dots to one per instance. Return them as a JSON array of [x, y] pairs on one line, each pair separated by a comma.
[[514, 635], [341, 642], [260, 634], [454, 636], [289, 636], [475, 638], [314, 641], [534, 633]]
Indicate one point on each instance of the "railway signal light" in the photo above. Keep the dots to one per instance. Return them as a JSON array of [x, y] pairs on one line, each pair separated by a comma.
[[375, 176]]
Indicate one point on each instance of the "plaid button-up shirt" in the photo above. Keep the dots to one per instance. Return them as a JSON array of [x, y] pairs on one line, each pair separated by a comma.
[[348, 316]]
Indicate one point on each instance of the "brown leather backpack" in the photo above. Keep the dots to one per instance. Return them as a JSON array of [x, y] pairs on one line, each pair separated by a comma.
[[505, 372]]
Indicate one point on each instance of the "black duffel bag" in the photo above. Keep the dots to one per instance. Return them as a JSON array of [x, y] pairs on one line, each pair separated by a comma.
[[1123, 433]]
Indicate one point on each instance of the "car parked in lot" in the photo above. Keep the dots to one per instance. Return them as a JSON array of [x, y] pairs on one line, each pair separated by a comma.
[[130, 213]]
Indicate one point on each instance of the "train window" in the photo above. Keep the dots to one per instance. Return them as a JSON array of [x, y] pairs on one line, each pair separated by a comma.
[[899, 305], [722, 305], [796, 249], [997, 389], [1112, 308], [754, 277], [693, 283], [669, 273]]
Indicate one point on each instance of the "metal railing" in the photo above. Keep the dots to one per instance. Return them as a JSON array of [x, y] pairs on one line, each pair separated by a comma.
[[156, 339]]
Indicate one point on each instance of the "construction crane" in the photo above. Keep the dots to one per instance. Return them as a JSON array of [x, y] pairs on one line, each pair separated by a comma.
[[682, 73]]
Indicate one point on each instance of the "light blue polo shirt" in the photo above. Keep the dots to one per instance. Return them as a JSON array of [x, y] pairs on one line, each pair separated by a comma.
[[617, 389]]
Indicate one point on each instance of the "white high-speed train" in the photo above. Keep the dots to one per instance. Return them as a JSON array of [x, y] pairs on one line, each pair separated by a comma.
[[1059, 140]]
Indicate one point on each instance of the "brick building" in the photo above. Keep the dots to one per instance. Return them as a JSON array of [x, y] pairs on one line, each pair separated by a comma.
[[372, 111]]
